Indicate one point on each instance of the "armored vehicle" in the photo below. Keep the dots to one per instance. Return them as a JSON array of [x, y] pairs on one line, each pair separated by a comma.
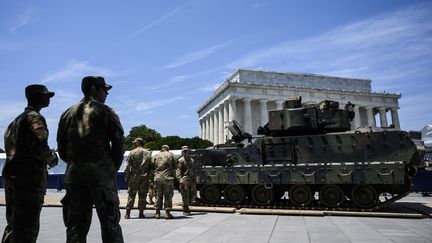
[[308, 157]]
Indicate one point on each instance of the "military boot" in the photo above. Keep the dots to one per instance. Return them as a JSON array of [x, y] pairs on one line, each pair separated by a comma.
[[168, 215], [157, 214], [141, 214], [150, 201], [185, 210], [188, 210], [127, 215]]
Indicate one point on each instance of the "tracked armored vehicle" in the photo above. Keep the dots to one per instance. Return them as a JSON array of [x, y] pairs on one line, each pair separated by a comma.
[[307, 157]]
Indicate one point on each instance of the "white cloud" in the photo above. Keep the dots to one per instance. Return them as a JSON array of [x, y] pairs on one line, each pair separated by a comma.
[[8, 47], [159, 20], [182, 78], [380, 48], [393, 50], [22, 19], [257, 5], [76, 70], [150, 105], [198, 55], [210, 87]]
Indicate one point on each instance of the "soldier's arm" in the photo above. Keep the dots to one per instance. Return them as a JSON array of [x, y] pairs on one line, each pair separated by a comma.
[[62, 138], [116, 136], [128, 165], [179, 171], [42, 151], [146, 163]]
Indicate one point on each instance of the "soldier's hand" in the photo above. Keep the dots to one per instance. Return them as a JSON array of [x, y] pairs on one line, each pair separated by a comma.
[[54, 160]]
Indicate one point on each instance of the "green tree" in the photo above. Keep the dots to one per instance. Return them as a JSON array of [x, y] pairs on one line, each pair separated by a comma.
[[2, 150], [142, 131], [154, 141]]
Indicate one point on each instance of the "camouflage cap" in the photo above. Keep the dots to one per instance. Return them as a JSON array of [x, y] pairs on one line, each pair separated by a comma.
[[138, 140], [34, 89], [185, 148], [165, 147], [89, 81]]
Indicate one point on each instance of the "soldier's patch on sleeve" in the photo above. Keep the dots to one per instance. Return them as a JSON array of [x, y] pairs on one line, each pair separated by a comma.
[[39, 130], [38, 125]]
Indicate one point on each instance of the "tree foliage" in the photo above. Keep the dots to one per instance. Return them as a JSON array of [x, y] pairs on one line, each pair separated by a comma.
[[154, 141], [2, 150], [141, 131]]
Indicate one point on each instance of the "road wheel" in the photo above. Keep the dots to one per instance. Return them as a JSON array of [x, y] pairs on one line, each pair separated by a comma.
[[262, 195], [210, 194], [300, 195], [364, 196], [331, 195], [234, 194]]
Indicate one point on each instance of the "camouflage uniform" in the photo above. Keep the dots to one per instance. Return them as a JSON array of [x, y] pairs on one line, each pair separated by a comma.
[[90, 140], [25, 174], [136, 175], [151, 189], [164, 165], [186, 176]]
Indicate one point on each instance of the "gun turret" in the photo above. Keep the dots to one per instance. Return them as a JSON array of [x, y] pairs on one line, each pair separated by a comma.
[[238, 134]]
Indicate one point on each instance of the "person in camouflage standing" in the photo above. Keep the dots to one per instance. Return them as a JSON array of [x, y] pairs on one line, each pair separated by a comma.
[[164, 166], [185, 174], [25, 171], [151, 189], [90, 140], [137, 177]]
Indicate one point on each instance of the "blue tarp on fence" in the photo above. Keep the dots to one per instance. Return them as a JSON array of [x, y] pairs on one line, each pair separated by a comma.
[[56, 181]]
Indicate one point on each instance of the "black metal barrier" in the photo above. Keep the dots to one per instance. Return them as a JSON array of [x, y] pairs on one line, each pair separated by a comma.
[[423, 180]]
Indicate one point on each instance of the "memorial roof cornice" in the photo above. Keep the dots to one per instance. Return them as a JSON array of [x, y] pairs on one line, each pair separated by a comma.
[[228, 84]]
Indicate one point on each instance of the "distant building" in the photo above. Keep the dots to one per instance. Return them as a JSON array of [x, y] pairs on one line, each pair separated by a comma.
[[248, 95]]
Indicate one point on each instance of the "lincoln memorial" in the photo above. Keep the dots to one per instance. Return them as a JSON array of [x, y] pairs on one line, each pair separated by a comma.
[[248, 95]]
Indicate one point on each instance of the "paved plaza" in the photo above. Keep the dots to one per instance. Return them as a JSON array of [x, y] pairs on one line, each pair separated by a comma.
[[235, 227]]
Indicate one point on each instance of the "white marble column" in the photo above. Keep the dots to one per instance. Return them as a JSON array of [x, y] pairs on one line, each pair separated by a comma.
[[225, 116], [279, 104], [264, 112], [221, 124], [247, 115], [215, 137], [201, 128], [356, 121], [370, 116], [395, 118], [211, 126], [383, 117], [232, 109], [207, 134]]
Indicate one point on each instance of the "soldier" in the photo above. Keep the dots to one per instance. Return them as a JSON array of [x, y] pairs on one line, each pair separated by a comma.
[[185, 174], [151, 190], [164, 166], [90, 140], [136, 175], [25, 170]]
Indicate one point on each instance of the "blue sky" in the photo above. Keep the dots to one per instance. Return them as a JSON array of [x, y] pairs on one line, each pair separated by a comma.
[[165, 58]]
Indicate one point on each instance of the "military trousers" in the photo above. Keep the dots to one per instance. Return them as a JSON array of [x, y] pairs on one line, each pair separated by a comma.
[[23, 208], [188, 193], [151, 193], [78, 208], [164, 191], [138, 184]]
